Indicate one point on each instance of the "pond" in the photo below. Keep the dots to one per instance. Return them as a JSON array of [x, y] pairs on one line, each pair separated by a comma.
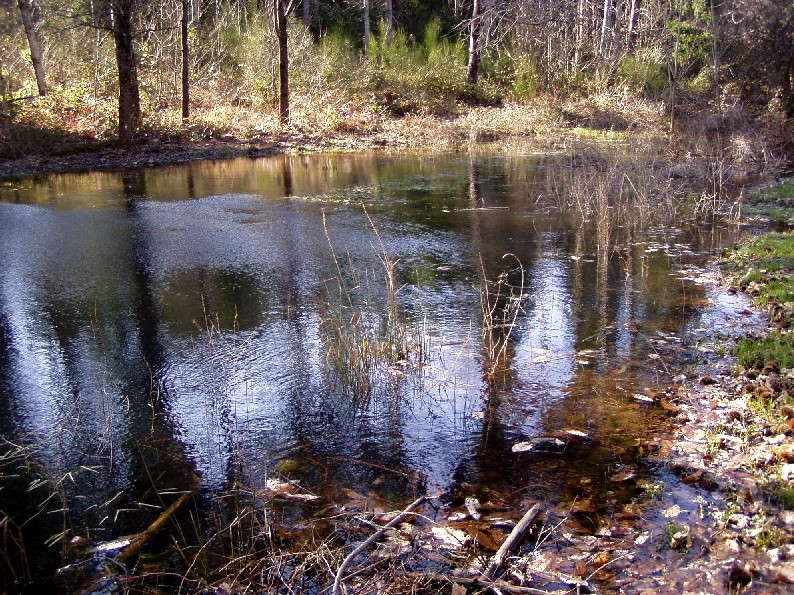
[[199, 323]]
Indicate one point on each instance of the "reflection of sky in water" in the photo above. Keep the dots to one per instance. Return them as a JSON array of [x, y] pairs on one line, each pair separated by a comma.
[[218, 299]]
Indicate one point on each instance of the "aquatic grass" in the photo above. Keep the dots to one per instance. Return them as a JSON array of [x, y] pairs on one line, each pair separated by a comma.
[[618, 186], [500, 304], [365, 332]]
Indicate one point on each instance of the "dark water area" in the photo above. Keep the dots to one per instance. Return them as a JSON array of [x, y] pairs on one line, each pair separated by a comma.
[[162, 325]]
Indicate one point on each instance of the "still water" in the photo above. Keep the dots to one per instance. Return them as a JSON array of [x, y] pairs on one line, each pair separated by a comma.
[[162, 325]]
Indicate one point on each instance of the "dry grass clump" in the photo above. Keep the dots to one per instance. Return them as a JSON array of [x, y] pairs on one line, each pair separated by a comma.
[[366, 335]]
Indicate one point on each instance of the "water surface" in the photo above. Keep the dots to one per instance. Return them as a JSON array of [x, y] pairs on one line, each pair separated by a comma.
[[164, 324]]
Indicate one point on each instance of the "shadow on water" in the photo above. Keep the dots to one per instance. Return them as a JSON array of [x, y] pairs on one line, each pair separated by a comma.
[[162, 325]]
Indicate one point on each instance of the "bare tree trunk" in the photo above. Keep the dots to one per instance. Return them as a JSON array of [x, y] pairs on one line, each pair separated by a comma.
[[580, 29], [673, 70], [306, 13], [283, 62], [126, 60], [389, 18], [473, 70], [366, 27], [634, 16], [787, 89], [186, 11], [606, 28], [31, 18]]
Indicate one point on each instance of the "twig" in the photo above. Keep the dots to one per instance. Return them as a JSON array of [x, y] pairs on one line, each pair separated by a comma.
[[141, 538], [370, 540], [512, 541], [478, 581]]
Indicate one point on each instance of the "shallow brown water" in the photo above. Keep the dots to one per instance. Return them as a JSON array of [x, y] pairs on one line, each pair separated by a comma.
[[163, 323]]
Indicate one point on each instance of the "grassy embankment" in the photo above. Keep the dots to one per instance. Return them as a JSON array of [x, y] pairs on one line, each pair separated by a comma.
[[764, 269]]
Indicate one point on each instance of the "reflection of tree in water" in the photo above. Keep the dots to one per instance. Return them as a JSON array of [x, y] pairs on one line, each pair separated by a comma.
[[617, 296], [158, 461]]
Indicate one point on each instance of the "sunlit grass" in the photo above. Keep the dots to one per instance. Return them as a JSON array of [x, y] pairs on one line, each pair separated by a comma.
[[777, 349]]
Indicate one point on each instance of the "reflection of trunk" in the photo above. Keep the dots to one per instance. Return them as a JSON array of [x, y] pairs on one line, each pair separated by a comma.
[[31, 19], [186, 8], [191, 183], [283, 62], [475, 197], [158, 461], [286, 172], [126, 61], [474, 43], [6, 406]]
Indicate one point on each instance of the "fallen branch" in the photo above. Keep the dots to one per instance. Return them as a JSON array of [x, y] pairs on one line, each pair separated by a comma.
[[340, 574], [512, 541], [478, 581], [138, 540]]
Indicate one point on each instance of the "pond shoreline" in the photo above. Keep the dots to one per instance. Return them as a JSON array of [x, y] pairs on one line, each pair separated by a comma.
[[547, 123]]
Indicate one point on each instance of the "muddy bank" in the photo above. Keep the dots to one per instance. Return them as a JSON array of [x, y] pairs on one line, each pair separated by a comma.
[[158, 152]]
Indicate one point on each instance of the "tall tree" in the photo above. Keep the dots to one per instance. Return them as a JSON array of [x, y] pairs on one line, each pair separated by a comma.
[[473, 70], [366, 26], [30, 10], [634, 16], [606, 28], [388, 16], [186, 13], [123, 13], [282, 10]]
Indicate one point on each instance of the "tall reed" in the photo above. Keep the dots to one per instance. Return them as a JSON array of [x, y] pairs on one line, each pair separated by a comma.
[[365, 331], [500, 305]]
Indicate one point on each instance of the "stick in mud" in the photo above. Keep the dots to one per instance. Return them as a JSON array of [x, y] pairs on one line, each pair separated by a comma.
[[370, 540], [512, 541], [141, 538]]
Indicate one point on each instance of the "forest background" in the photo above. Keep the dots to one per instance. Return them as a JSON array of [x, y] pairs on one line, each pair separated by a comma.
[[77, 74]]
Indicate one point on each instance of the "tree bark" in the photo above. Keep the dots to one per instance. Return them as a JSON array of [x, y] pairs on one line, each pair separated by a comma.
[[634, 16], [126, 61], [306, 13], [31, 18], [389, 18], [606, 28], [283, 62], [788, 90], [366, 27], [473, 70], [186, 13]]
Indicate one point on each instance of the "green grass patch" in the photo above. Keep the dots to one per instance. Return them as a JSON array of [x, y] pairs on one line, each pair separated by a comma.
[[781, 193], [777, 348], [785, 497], [772, 251], [768, 262], [776, 202]]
